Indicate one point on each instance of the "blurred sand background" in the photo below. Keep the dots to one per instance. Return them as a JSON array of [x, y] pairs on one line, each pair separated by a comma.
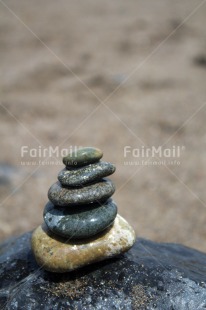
[[107, 74]]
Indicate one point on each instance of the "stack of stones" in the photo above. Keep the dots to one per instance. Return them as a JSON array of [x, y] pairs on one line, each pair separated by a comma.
[[81, 221]]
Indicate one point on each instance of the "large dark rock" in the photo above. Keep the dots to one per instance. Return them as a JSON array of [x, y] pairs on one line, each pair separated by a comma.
[[150, 276]]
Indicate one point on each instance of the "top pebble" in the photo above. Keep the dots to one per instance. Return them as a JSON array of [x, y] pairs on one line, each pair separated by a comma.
[[82, 157]]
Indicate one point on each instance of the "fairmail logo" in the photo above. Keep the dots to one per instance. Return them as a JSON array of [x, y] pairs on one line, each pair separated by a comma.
[[153, 156], [150, 152]]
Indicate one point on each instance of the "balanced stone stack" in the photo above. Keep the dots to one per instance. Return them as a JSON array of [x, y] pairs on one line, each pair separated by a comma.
[[81, 221]]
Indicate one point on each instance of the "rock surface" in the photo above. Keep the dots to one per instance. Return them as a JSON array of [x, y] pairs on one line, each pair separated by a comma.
[[150, 276]]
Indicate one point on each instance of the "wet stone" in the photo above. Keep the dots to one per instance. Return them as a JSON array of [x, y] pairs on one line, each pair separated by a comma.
[[68, 196], [87, 174], [59, 255], [82, 157], [150, 276], [79, 222]]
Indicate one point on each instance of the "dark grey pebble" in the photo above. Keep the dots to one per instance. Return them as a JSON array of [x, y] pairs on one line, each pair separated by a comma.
[[86, 174], [68, 196], [81, 222]]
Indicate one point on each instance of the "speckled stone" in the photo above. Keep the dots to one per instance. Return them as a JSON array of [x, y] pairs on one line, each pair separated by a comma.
[[83, 156], [152, 276], [98, 192], [57, 255], [87, 174], [80, 222]]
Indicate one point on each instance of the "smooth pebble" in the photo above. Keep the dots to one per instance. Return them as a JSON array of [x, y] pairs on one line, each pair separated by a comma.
[[83, 156], [57, 255], [81, 222], [67, 196], [87, 174]]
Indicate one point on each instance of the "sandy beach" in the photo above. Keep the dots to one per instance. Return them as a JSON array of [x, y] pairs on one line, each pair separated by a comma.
[[125, 76]]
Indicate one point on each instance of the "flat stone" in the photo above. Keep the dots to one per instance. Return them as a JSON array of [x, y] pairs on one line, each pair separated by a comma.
[[149, 276], [83, 156], [79, 222], [68, 196], [57, 255], [86, 174]]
